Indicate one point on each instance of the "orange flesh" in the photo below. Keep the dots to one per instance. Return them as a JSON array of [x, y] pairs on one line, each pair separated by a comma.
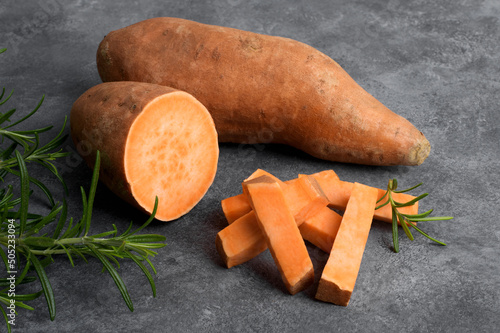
[[281, 233], [315, 197], [321, 228], [240, 241], [341, 270], [235, 207], [238, 205], [171, 152]]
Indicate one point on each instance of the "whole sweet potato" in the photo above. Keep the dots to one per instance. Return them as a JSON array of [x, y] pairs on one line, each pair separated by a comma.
[[262, 88]]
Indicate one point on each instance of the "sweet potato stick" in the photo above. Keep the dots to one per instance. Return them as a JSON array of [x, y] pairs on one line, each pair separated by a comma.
[[281, 233], [341, 270]]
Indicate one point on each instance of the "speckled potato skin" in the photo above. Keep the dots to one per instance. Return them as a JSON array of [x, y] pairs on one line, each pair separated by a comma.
[[100, 120], [262, 89]]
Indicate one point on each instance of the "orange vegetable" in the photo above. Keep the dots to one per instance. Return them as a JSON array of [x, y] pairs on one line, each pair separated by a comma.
[[321, 228], [262, 88], [241, 240], [304, 197], [236, 206], [341, 270], [153, 140], [281, 233]]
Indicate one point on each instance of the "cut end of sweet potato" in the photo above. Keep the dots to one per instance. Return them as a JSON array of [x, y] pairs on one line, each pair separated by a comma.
[[329, 291], [306, 280], [219, 246], [171, 152]]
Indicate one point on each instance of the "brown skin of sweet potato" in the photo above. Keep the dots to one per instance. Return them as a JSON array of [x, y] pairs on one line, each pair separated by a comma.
[[264, 89]]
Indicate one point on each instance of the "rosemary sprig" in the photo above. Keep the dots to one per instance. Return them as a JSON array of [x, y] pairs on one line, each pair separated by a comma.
[[29, 141], [406, 220], [37, 240], [37, 247]]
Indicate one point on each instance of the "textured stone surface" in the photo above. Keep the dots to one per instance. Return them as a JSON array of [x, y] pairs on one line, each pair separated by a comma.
[[434, 62]]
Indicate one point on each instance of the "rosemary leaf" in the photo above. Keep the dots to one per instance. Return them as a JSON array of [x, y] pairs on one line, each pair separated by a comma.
[[29, 114], [62, 220], [413, 216], [150, 219], [8, 97], [9, 330], [146, 238], [93, 187], [382, 205], [411, 202], [114, 274], [23, 278], [426, 219], [426, 235], [23, 210], [409, 189], [145, 270], [28, 297], [46, 286], [395, 240], [404, 224], [6, 116]]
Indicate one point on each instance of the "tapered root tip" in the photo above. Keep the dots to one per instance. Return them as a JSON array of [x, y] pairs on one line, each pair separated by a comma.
[[419, 152]]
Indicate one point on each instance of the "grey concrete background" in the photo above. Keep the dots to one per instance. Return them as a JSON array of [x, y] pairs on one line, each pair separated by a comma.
[[434, 62]]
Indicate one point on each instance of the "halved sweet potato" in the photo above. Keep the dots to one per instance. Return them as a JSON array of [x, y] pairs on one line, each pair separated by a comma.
[[155, 141]]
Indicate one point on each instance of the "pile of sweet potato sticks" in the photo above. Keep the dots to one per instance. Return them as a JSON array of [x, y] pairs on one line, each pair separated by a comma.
[[331, 214]]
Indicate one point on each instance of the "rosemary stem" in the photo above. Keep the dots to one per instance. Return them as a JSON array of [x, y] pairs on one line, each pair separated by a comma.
[[87, 239], [62, 251]]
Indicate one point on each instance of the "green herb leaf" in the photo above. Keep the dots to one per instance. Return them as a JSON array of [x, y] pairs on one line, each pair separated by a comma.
[[9, 329], [62, 220], [46, 287], [395, 240], [93, 187], [146, 272], [114, 274], [25, 188]]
